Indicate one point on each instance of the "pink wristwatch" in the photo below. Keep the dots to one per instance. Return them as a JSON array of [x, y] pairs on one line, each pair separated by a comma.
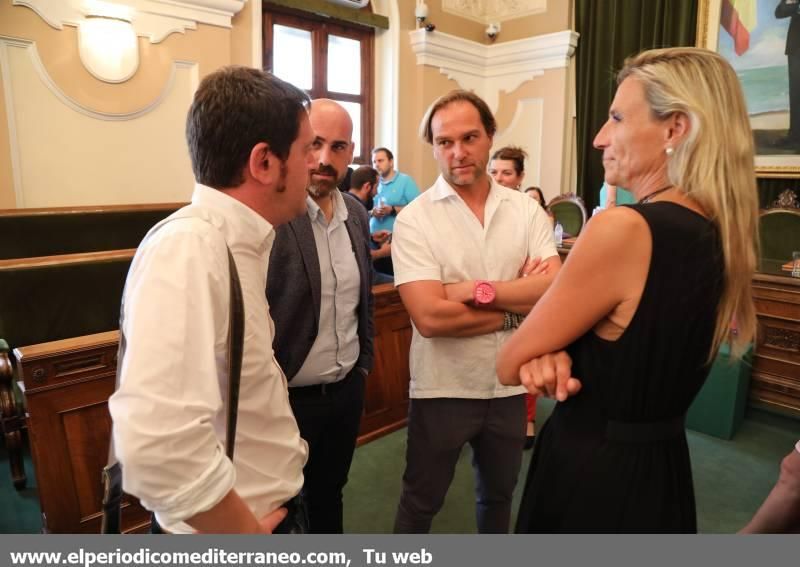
[[484, 292]]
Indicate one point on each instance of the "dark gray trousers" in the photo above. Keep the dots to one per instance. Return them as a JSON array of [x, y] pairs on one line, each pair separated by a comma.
[[437, 430]]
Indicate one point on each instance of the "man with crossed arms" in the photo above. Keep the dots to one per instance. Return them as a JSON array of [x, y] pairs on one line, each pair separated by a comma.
[[460, 252]]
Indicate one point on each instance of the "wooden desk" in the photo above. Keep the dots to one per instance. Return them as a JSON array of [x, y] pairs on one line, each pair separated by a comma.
[[386, 401], [775, 382]]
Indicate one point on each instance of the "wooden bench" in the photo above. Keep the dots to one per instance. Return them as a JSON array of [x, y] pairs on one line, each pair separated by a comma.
[[26, 233], [61, 275], [67, 384], [46, 299]]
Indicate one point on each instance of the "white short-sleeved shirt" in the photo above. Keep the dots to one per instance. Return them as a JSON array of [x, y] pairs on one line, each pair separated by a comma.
[[437, 237]]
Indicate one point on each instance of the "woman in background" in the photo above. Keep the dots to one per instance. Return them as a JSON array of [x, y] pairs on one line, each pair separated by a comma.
[[642, 304], [536, 194], [507, 167]]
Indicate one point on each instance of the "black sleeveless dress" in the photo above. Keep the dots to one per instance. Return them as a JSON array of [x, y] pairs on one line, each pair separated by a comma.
[[614, 458]]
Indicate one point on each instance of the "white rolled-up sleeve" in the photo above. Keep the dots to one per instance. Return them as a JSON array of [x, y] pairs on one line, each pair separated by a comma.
[[168, 399]]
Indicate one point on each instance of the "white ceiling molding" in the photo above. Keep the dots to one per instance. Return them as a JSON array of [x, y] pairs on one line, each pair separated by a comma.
[[153, 19], [488, 11], [489, 69], [29, 47]]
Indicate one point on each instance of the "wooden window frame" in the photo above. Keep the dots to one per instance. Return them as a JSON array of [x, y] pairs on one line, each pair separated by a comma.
[[320, 29]]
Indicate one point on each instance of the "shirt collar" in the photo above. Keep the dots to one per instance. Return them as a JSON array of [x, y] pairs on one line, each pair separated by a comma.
[[442, 189], [243, 223], [394, 178], [339, 208]]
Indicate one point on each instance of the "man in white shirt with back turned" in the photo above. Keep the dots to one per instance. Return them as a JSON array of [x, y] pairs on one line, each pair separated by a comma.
[[250, 144], [471, 258]]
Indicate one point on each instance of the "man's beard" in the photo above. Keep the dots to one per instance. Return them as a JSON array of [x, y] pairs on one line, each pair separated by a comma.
[[323, 188]]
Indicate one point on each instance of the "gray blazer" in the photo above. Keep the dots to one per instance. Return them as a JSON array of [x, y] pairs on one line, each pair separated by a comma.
[[294, 289]]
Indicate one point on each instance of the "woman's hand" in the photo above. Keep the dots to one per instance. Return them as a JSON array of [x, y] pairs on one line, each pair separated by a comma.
[[550, 375]]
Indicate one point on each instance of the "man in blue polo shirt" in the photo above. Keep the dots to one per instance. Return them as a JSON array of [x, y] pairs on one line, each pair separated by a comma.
[[395, 191]]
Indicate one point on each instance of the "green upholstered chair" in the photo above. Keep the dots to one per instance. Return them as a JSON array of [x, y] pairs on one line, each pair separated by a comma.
[[569, 210], [779, 231]]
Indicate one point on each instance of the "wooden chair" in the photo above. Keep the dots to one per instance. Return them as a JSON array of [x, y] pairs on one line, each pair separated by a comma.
[[570, 211], [779, 231]]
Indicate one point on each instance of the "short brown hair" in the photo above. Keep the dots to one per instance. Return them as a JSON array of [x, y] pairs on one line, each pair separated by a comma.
[[487, 119], [512, 153], [387, 151], [363, 175], [234, 109]]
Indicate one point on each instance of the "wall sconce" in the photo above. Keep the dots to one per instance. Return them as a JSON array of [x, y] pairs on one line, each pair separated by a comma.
[[107, 43], [492, 30], [421, 13]]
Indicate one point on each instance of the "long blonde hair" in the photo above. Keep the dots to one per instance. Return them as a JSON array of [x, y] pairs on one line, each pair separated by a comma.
[[714, 165]]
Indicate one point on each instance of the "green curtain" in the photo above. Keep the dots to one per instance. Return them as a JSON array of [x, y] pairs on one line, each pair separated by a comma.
[[610, 31]]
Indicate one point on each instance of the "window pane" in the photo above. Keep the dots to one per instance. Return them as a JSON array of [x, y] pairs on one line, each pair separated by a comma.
[[344, 65], [354, 109], [291, 55]]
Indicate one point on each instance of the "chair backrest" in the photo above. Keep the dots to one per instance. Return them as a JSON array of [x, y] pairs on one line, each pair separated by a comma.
[[58, 297], [570, 211], [779, 231]]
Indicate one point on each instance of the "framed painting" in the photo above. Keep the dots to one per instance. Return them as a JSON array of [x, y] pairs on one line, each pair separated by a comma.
[[752, 35]]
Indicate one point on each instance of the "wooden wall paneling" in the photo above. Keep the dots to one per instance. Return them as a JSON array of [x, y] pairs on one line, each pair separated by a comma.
[[775, 382], [386, 400]]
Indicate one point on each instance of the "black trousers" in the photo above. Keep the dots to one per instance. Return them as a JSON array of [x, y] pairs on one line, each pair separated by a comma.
[[438, 428], [328, 417]]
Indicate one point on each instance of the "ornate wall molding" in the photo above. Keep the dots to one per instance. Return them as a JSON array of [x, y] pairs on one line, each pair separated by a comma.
[[10, 65], [8, 96], [153, 19], [47, 80], [489, 69], [488, 11]]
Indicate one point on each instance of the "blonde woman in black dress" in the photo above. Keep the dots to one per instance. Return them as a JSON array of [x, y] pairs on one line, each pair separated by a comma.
[[642, 304]]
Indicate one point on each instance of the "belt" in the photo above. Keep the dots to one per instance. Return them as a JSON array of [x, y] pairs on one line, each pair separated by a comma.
[[321, 390], [648, 432]]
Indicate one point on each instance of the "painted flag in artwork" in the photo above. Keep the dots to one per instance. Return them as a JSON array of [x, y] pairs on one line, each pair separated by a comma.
[[738, 17]]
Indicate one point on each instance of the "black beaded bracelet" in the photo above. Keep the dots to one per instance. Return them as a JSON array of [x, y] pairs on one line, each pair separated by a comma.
[[512, 320]]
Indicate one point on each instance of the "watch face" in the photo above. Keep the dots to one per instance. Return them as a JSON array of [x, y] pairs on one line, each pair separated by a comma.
[[484, 293]]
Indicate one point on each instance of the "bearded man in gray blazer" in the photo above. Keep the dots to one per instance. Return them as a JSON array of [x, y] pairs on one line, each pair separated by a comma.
[[319, 287]]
